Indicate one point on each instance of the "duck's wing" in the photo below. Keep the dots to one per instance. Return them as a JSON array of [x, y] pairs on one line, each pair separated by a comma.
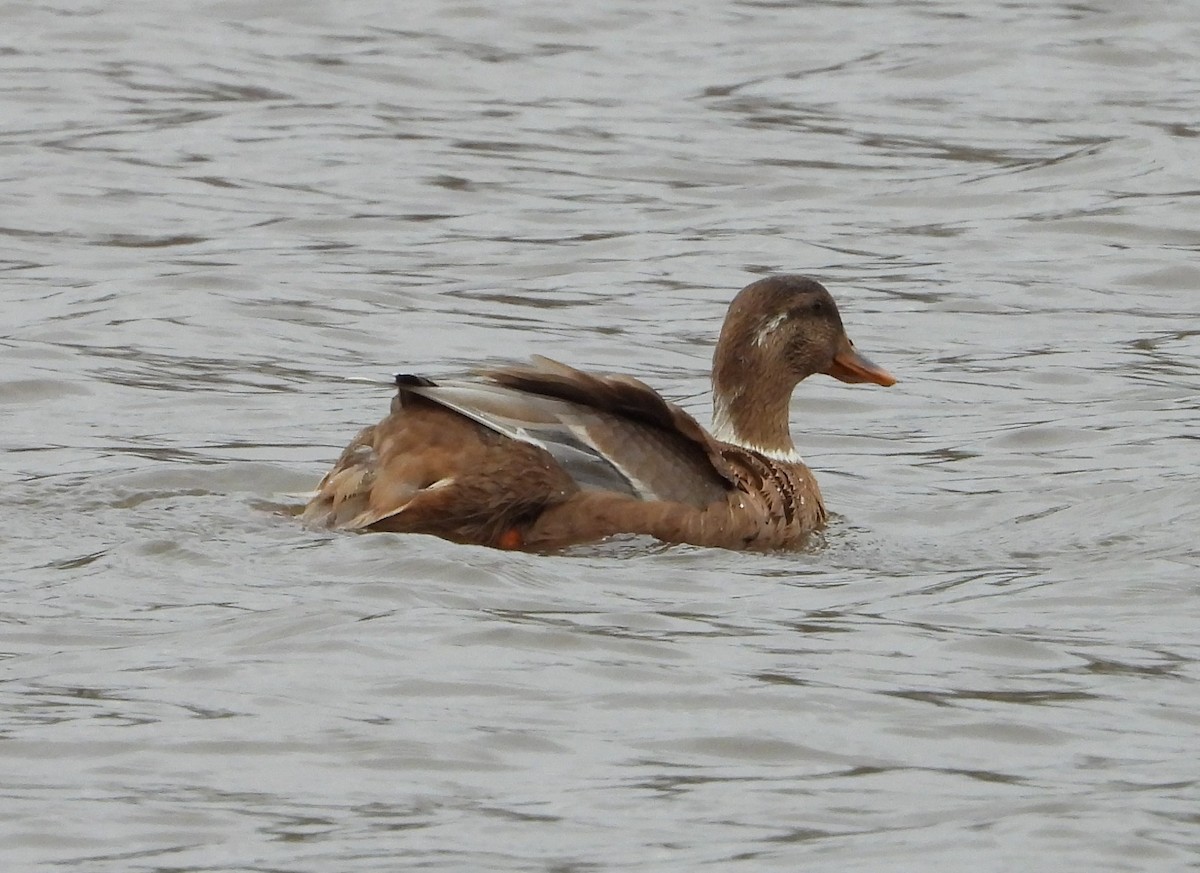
[[609, 433]]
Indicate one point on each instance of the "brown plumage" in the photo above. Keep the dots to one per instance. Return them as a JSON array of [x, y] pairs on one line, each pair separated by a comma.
[[546, 456]]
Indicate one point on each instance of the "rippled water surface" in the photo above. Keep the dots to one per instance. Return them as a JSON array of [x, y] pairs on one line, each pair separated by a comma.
[[214, 213]]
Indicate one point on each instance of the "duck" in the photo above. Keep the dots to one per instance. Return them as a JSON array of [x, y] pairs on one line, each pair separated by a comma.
[[543, 456]]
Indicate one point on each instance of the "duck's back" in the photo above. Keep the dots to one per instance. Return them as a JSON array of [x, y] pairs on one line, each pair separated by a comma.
[[481, 462]]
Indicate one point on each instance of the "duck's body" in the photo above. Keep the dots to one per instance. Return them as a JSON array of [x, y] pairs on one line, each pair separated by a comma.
[[547, 456]]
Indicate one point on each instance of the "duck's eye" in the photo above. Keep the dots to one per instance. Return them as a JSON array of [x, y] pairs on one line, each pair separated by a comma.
[[817, 307]]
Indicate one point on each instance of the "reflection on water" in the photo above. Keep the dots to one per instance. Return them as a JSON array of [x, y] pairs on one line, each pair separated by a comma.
[[215, 215]]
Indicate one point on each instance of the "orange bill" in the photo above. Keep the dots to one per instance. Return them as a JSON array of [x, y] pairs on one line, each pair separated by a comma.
[[849, 366]]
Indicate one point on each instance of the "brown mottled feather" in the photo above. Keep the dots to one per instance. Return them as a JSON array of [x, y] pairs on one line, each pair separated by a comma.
[[426, 469]]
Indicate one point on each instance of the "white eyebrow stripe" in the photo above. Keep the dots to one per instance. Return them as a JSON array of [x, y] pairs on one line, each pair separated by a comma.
[[768, 328]]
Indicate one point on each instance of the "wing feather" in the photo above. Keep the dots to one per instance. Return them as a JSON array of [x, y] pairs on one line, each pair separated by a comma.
[[610, 433]]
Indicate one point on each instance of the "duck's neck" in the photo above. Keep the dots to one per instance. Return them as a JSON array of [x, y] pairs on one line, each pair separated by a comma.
[[750, 409]]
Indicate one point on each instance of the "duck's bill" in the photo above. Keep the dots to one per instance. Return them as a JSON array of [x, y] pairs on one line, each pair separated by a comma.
[[849, 366]]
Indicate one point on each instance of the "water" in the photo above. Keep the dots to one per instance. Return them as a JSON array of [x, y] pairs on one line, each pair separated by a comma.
[[215, 213]]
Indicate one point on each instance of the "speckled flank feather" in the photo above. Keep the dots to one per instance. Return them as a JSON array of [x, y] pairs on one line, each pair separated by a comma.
[[426, 469]]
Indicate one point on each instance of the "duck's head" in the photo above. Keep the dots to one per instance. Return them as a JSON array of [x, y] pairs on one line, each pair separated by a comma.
[[778, 331]]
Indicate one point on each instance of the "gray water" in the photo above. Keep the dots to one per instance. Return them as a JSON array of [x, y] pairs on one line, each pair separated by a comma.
[[212, 214]]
